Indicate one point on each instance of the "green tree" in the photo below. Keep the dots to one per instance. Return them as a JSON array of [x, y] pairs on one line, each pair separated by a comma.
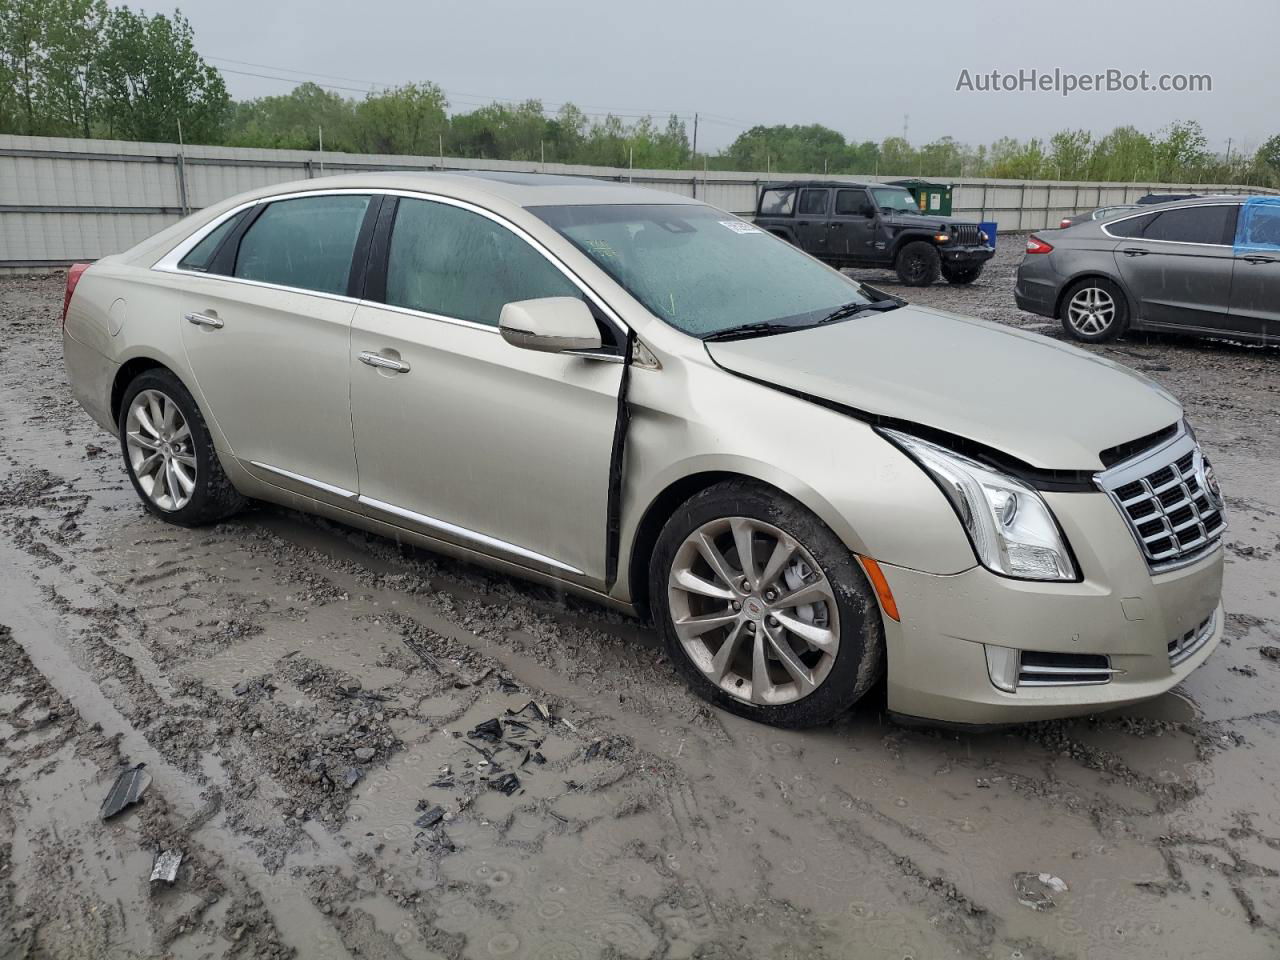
[[153, 79], [1069, 154], [73, 60], [295, 120], [409, 119], [23, 25]]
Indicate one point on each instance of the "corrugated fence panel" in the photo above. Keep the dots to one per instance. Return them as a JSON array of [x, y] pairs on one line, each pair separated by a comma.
[[64, 199]]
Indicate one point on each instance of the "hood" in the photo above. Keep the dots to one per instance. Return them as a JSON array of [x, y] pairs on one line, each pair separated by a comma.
[[927, 221], [1051, 405]]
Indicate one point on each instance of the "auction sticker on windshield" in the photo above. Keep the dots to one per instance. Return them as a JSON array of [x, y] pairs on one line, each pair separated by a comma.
[[740, 226]]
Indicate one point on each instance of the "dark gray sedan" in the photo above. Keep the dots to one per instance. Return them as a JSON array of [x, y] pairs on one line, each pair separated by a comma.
[[1208, 266]]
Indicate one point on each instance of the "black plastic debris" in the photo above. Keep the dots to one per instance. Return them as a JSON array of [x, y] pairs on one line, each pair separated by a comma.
[[165, 867], [430, 818], [593, 750], [489, 730], [534, 708], [128, 789], [508, 783], [507, 685]]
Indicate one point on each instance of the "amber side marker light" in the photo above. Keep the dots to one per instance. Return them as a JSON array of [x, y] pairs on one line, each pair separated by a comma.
[[881, 585]]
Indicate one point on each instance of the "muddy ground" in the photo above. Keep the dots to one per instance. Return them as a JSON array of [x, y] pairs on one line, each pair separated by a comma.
[[316, 711]]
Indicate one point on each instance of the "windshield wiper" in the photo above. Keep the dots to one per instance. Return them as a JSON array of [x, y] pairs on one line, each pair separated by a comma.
[[850, 310], [747, 330]]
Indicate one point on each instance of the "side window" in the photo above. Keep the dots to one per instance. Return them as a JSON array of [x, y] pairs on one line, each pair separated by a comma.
[[200, 256], [306, 243], [853, 203], [452, 262], [813, 202], [1132, 227], [777, 203], [1192, 224], [1260, 227]]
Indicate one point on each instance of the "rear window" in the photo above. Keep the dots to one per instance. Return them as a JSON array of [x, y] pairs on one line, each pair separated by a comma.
[[305, 243], [777, 203], [201, 255]]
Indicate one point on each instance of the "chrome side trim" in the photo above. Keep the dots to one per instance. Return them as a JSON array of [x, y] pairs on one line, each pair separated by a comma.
[[318, 484], [470, 536], [1179, 243]]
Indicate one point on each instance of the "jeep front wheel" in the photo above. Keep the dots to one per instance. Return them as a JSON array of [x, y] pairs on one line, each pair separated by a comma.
[[918, 263]]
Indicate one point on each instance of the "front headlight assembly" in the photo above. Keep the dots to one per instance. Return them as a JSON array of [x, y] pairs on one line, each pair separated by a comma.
[[1010, 526]]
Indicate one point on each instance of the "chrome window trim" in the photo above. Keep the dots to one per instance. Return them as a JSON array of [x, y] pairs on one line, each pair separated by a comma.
[[309, 481], [471, 536], [169, 262], [1179, 243]]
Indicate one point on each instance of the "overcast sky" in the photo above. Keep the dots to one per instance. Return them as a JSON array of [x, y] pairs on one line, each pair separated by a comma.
[[856, 67]]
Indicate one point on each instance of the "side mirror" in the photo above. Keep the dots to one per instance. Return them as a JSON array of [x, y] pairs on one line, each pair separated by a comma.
[[868, 212], [549, 324]]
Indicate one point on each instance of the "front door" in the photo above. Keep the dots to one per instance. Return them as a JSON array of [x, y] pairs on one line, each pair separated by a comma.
[[1255, 284], [459, 434], [853, 225], [811, 222], [1178, 266], [268, 341]]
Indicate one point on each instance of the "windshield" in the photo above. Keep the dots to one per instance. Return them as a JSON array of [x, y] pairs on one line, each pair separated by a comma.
[[895, 200], [700, 269]]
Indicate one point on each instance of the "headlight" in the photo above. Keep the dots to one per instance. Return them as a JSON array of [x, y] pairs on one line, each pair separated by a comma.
[[1010, 526]]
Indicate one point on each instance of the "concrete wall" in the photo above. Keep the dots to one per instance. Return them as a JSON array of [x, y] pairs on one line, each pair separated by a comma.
[[63, 200]]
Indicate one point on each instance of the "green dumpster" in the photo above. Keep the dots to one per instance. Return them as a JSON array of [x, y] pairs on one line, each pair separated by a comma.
[[930, 197]]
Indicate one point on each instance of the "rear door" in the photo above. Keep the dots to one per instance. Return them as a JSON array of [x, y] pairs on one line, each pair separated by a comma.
[[1177, 263], [811, 221], [1255, 285], [266, 326], [853, 224], [468, 438]]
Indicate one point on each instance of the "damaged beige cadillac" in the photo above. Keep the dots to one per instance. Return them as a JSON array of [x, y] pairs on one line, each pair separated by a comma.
[[807, 483]]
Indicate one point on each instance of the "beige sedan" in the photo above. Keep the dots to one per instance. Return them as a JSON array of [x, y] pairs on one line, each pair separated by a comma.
[[647, 401]]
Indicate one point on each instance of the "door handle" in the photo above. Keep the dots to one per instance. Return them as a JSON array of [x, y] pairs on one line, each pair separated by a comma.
[[204, 320], [1135, 252], [385, 363], [1256, 258]]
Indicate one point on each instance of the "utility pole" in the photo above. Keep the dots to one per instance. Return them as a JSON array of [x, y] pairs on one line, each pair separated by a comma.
[[905, 118], [320, 129], [695, 160], [695, 135], [440, 143]]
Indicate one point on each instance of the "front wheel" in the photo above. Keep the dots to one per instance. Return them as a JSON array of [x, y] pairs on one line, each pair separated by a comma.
[[961, 274], [169, 454], [918, 263], [762, 608]]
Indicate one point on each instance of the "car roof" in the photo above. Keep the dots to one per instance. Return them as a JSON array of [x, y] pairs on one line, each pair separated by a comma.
[[520, 189], [791, 184]]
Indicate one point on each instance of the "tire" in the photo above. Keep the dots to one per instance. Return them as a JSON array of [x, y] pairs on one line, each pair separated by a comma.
[[918, 263], [844, 608], [1108, 319], [961, 275], [182, 441]]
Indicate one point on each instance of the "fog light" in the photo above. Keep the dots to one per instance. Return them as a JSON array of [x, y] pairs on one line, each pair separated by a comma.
[[1002, 667]]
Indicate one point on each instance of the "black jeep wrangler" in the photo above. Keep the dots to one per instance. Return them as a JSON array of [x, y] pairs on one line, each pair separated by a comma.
[[873, 225]]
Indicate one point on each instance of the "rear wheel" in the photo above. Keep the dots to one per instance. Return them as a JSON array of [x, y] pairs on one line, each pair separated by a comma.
[[1094, 310], [918, 264], [762, 608], [169, 454], [961, 274]]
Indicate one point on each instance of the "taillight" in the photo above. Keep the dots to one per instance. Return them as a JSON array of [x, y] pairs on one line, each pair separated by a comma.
[[1066, 222], [1036, 245], [73, 277]]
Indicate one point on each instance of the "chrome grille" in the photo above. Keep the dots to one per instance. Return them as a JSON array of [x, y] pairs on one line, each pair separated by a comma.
[[1168, 501], [1183, 646], [1062, 669]]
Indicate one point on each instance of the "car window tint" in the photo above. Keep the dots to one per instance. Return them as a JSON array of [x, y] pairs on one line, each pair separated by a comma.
[[851, 203], [813, 202], [1131, 227], [456, 263], [777, 203], [201, 255], [305, 243], [1191, 224]]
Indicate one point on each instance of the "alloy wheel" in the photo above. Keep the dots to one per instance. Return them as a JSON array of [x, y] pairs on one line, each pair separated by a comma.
[[1091, 311], [753, 611], [161, 454]]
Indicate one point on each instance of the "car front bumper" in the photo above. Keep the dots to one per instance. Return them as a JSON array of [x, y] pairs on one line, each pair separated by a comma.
[[966, 255], [937, 655]]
